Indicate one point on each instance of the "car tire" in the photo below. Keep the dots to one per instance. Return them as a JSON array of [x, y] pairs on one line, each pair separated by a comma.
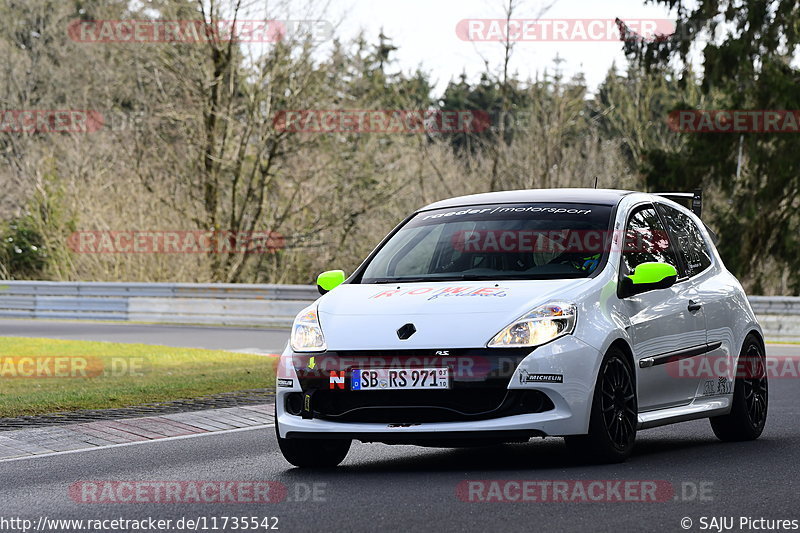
[[614, 414], [750, 397], [312, 453]]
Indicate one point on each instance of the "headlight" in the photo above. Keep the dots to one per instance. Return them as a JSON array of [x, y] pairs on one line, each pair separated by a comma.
[[542, 325], [307, 333]]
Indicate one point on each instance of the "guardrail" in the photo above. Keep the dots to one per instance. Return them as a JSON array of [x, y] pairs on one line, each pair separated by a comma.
[[239, 304], [779, 316], [185, 303]]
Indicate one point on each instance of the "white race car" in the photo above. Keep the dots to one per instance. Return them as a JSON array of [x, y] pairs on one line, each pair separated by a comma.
[[582, 313]]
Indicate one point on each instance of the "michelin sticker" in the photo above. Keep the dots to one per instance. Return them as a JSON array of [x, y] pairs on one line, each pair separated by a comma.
[[525, 377]]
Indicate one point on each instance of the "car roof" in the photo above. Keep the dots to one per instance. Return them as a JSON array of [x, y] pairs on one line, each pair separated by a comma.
[[609, 197]]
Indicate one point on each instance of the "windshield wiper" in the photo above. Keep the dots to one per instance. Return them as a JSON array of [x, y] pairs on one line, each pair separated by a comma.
[[475, 277]]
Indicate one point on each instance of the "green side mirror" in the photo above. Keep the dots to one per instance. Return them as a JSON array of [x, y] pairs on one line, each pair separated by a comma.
[[327, 281], [648, 277]]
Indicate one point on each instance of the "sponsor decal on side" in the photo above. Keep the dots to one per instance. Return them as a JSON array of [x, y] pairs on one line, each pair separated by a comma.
[[721, 385], [525, 377], [285, 382]]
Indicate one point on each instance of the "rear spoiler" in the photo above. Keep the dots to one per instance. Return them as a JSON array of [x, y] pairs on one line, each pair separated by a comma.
[[696, 197]]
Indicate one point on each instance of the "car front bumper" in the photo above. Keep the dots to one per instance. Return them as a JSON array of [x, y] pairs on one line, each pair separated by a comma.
[[564, 370]]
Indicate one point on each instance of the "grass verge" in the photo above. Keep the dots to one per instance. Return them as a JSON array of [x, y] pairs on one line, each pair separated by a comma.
[[48, 375]]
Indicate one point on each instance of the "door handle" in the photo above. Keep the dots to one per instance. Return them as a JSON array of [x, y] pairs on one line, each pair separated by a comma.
[[694, 306]]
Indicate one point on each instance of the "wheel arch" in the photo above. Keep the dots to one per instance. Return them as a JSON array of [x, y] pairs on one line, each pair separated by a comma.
[[751, 332], [625, 348], [622, 345], [758, 335]]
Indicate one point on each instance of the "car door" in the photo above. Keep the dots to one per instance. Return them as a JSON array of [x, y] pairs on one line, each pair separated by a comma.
[[665, 327], [716, 296]]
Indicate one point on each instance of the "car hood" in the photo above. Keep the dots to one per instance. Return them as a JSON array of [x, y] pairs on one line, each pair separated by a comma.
[[444, 314]]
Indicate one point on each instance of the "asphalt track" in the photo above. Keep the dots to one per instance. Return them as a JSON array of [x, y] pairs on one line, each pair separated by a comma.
[[402, 488]]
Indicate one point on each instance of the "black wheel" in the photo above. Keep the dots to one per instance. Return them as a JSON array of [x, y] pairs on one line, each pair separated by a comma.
[[613, 421], [750, 397], [312, 453]]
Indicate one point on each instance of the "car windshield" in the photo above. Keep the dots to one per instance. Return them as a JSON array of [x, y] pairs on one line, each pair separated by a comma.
[[494, 242]]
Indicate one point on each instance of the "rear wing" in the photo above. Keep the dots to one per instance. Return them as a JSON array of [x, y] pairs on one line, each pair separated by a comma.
[[696, 197]]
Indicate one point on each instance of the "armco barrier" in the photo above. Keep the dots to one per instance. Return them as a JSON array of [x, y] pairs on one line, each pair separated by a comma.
[[239, 304], [779, 316], [186, 303]]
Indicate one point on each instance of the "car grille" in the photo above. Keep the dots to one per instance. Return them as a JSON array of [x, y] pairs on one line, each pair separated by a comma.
[[426, 406]]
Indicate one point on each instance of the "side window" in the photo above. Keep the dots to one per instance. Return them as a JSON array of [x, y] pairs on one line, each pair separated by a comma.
[[646, 241], [689, 240]]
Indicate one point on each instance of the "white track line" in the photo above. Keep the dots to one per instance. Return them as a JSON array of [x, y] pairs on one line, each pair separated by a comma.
[[95, 448]]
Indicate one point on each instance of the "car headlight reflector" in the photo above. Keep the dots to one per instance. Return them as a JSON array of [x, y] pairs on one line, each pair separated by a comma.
[[539, 326], [307, 333]]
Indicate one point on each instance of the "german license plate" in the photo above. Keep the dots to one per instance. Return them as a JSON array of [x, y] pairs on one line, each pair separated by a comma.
[[400, 378]]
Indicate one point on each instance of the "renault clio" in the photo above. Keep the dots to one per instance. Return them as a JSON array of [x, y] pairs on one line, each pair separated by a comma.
[[579, 313]]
